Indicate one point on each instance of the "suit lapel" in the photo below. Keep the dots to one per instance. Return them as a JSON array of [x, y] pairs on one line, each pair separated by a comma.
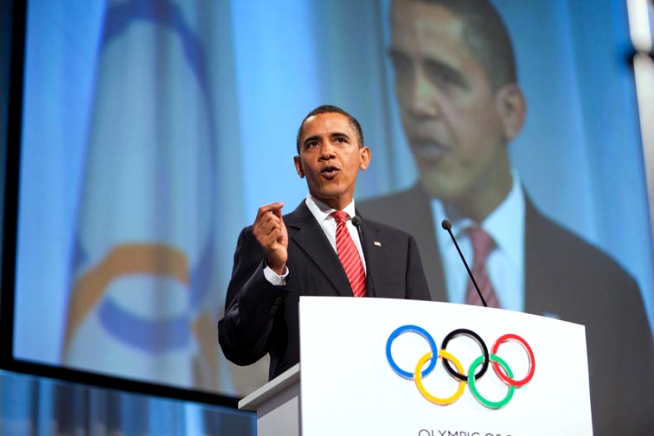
[[544, 265], [375, 258], [305, 231], [420, 223]]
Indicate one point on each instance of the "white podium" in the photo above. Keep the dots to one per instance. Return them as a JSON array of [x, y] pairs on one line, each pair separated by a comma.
[[368, 368], [277, 404]]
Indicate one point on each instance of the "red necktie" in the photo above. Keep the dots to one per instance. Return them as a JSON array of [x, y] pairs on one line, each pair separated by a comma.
[[349, 256], [482, 246]]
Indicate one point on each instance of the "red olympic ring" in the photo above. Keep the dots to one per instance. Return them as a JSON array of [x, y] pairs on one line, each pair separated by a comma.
[[500, 371]]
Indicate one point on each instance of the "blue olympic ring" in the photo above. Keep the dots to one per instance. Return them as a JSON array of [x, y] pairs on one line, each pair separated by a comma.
[[422, 332]]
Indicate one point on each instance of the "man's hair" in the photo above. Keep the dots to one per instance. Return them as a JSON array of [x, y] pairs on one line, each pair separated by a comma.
[[330, 109], [486, 34]]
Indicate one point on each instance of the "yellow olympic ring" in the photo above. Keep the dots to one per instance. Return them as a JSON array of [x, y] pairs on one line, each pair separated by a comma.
[[443, 354]]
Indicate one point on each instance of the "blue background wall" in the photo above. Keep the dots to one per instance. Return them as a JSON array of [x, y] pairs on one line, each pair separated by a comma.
[[249, 72]]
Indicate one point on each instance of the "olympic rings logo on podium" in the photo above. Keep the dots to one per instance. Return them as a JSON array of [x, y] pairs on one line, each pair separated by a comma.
[[500, 367]]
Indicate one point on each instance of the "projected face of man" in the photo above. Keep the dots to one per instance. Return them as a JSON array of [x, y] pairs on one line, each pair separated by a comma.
[[457, 125]]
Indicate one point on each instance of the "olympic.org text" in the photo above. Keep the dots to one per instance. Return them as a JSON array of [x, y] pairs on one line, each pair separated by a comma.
[[425, 432]]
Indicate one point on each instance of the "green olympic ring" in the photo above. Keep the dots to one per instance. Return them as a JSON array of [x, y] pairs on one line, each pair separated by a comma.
[[475, 392]]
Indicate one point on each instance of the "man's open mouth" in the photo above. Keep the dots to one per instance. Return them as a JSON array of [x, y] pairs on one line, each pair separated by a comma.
[[428, 149], [329, 172]]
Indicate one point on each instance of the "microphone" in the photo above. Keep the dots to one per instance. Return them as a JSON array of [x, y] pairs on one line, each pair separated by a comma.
[[447, 225], [356, 222]]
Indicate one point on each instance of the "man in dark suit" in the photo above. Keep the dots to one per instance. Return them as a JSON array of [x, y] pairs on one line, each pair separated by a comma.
[[456, 85], [314, 250]]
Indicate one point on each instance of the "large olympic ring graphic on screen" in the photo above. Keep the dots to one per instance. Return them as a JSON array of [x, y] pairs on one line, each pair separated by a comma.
[[500, 367]]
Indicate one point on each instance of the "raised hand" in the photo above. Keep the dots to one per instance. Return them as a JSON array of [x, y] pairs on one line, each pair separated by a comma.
[[270, 232]]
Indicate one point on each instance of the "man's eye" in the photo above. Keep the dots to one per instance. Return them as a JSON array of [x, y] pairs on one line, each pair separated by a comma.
[[311, 144], [445, 78], [400, 64], [440, 77], [340, 140]]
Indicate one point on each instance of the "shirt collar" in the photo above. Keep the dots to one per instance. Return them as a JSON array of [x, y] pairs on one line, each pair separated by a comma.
[[321, 211], [505, 224]]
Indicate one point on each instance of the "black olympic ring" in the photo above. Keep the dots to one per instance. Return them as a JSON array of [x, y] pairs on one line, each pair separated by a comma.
[[480, 342]]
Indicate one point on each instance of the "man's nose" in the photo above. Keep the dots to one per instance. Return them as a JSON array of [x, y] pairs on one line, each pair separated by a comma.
[[327, 150], [425, 98]]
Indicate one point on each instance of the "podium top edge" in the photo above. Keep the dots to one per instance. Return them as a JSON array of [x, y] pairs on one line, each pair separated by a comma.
[[270, 389]]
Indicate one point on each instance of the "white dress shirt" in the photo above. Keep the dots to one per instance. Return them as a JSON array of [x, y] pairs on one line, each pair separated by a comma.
[[322, 213], [505, 264]]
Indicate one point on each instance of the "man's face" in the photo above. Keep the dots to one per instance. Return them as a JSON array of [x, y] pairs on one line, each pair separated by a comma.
[[330, 158], [451, 114]]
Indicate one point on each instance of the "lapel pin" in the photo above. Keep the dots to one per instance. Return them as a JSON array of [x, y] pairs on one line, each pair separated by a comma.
[[377, 243]]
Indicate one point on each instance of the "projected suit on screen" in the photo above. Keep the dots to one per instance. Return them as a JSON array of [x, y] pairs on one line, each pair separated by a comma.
[[456, 85], [311, 251]]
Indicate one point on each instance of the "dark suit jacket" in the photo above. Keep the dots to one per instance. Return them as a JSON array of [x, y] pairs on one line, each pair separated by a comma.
[[569, 278], [261, 318]]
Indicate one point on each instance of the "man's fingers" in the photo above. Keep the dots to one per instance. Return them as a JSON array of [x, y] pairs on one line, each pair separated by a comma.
[[278, 212], [276, 208], [275, 228], [268, 221], [269, 229], [265, 219], [266, 230]]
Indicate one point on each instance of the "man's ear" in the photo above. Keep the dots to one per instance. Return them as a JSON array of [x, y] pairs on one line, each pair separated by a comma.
[[365, 158], [298, 166], [512, 108]]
